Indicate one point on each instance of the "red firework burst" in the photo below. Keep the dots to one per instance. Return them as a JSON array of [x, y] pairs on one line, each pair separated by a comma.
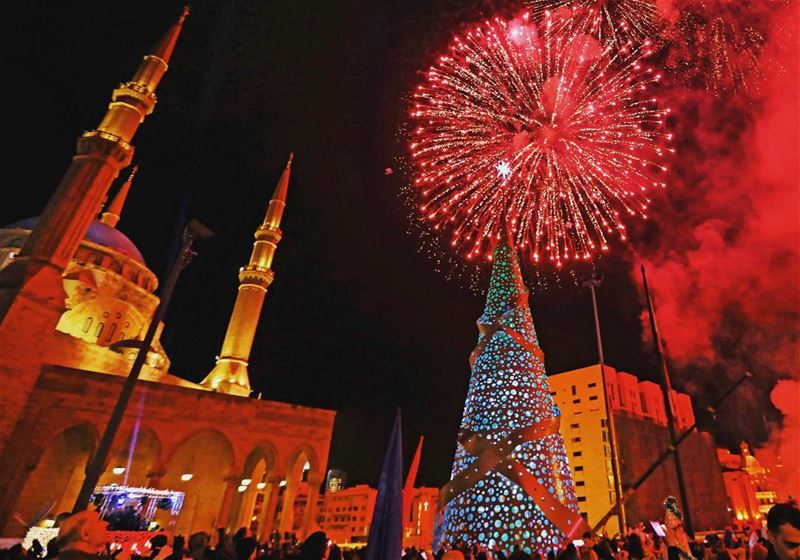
[[537, 132], [621, 22]]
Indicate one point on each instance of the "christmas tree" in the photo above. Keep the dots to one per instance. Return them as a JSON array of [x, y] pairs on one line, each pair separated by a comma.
[[510, 482]]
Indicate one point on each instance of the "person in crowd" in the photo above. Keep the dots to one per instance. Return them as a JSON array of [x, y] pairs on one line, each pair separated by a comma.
[[159, 549], [82, 536], [245, 547], [783, 532], [677, 539], [635, 547], [198, 543], [334, 553], [586, 551], [602, 548], [177, 548], [52, 549], [17, 552], [315, 547], [36, 550], [569, 553], [518, 554]]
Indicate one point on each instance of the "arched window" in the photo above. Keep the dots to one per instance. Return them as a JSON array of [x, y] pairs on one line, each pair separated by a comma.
[[87, 325], [99, 330], [111, 331]]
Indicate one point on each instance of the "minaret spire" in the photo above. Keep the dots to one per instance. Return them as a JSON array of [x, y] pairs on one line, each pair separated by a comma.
[[230, 375], [114, 210], [101, 154]]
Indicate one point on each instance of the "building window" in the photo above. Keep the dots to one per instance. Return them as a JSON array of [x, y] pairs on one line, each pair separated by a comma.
[[593, 398], [577, 454], [580, 483], [576, 401], [574, 426], [87, 325], [576, 440], [605, 435], [578, 468], [553, 393], [111, 331], [99, 330], [574, 390], [581, 498], [592, 385], [603, 422]]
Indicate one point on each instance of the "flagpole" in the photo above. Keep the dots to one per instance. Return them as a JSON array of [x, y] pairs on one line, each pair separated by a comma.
[[667, 392]]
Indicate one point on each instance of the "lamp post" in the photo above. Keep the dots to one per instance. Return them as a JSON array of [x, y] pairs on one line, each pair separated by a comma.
[[612, 432], [194, 230]]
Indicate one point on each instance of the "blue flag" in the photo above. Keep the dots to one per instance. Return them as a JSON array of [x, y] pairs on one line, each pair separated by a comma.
[[386, 532]]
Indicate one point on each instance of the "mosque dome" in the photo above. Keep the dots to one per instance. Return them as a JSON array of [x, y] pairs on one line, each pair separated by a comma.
[[98, 233]]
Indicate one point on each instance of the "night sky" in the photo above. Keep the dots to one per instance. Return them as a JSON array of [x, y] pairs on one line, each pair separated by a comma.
[[357, 320]]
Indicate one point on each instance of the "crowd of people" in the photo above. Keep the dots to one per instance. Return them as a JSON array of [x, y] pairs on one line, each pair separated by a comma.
[[84, 536], [780, 540]]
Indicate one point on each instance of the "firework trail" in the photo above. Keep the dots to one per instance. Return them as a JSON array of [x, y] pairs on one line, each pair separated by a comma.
[[623, 23], [536, 132]]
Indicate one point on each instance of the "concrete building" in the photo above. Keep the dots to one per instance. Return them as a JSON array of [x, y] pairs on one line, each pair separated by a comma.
[[638, 411], [749, 486], [75, 297], [347, 514]]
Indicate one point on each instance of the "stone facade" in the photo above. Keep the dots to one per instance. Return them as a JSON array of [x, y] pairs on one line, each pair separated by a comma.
[[219, 439]]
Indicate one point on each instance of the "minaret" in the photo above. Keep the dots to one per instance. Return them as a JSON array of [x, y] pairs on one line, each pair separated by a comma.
[[111, 214], [230, 374], [101, 154]]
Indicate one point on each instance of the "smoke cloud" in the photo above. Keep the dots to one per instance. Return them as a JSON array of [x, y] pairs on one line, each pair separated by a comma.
[[722, 252], [781, 454]]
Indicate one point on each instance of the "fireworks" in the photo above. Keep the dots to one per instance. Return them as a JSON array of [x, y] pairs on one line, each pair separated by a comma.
[[623, 23], [716, 43], [537, 133]]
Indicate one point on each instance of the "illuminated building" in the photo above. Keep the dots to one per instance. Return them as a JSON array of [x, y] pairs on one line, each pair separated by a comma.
[[419, 508], [420, 519], [510, 481], [335, 481], [75, 296], [348, 513], [748, 484], [640, 421]]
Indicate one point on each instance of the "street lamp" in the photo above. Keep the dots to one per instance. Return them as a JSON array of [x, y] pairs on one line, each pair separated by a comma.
[[194, 230], [616, 471]]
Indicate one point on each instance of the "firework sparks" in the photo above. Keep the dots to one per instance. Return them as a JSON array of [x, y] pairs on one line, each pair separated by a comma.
[[536, 132], [623, 23], [717, 43]]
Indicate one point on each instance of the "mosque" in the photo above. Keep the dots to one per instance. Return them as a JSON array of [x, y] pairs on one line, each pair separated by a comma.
[[75, 297]]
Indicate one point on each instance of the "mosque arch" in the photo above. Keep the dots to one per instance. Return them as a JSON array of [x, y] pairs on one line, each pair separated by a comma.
[[251, 505], [201, 466], [53, 485], [139, 454], [302, 464], [299, 491]]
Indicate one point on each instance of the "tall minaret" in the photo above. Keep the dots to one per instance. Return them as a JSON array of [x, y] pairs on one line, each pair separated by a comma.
[[101, 154], [230, 374]]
